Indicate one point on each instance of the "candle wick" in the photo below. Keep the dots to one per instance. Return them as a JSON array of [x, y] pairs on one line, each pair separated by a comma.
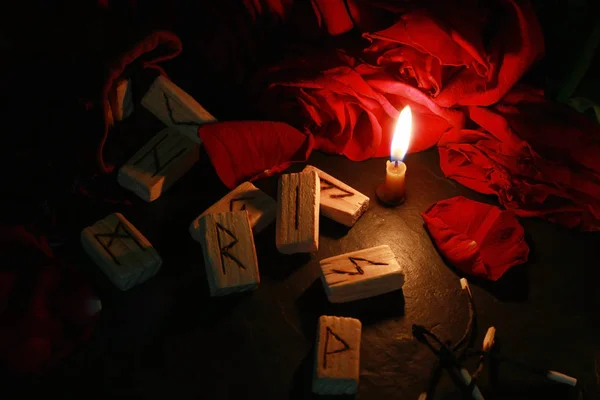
[[396, 163]]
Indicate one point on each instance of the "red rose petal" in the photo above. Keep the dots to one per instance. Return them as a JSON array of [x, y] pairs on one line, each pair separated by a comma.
[[42, 325], [538, 157], [247, 150], [335, 16], [477, 238]]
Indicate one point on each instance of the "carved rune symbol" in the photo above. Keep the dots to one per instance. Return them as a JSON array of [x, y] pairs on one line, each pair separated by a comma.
[[336, 339], [170, 111], [239, 199], [359, 270], [120, 232], [297, 215], [329, 185], [158, 167], [225, 249]]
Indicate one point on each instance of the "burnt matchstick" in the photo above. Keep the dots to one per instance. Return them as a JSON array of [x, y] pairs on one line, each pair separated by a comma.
[[488, 353], [450, 357], [466, 338], [554, 376], [448, 360], [488, 344]]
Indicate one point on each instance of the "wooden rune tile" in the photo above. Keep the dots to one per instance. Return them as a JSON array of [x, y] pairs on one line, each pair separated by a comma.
[[337, 360], [121, 251], [361, 274], [297, 221], [338, 201], [159, 164], [120, 100], [176, 108], [261, 207], [229, 252]]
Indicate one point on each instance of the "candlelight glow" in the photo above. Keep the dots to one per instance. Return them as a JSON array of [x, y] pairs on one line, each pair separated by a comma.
[[402, 133]]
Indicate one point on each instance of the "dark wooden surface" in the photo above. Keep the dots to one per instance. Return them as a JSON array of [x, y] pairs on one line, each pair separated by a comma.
[[169, 339]]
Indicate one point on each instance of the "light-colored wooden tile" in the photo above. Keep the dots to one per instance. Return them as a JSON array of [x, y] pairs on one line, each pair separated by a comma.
[[229, 252], [260, 206], [121, 251], [120, 100], [361, 274], [176, 108], [337, 361], [159, 164], [298, 213], [338, 201]]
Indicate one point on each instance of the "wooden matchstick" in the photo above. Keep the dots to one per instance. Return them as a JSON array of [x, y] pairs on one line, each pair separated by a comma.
[[490, 339]]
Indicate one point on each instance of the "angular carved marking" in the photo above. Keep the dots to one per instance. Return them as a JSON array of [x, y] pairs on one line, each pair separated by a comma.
[[120, 232], [158, 167], [327, 185], [261, 207], [337, 359], [327, 352], [232, 201], [297, 213], [359, 270], [170, 111], [225, 249], [361, 274], [121, 251], [297, 223], [175, 108], [339, 201], [226, 238]]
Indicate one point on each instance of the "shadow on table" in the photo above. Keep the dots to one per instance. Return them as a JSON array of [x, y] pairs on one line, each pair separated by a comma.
[[272, 263], [524, 391], [302, 382], [313, 303], [331, 229], [193, 299], [512, 287]]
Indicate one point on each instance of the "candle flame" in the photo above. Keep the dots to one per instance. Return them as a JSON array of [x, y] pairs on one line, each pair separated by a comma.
[[402, 133]]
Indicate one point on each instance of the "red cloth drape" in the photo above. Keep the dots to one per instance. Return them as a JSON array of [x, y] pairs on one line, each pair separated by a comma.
[[340, 70]]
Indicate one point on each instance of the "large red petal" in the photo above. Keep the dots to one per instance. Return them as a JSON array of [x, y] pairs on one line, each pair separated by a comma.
[[477, 238], [247, 150], [538, 157]]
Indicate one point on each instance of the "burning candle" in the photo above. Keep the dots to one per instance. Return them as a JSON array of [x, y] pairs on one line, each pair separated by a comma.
[[392, 191]]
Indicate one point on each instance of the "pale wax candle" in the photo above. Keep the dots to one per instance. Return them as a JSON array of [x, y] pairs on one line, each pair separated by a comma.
[[395, 172], [392, 192]]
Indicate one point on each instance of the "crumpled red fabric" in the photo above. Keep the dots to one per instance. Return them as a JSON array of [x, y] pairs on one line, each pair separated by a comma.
[[450, 63], [434, 59], [467, 54], [325, 95], [540, 158], [46, 306], [247, 150], [448, 60], [479, 239]]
